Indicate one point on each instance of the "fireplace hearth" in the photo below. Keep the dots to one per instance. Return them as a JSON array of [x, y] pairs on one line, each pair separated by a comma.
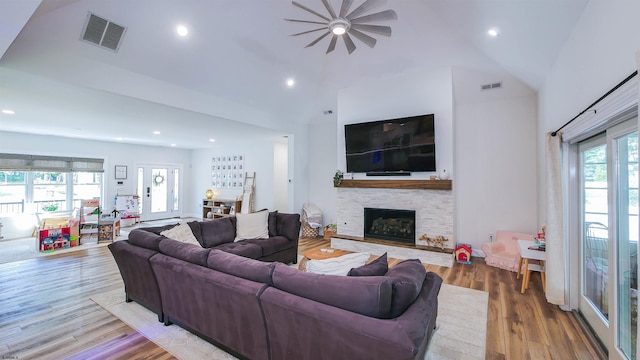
[[390, 224]]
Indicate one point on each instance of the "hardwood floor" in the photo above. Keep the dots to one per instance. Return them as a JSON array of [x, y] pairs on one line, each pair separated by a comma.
[[46, 311]]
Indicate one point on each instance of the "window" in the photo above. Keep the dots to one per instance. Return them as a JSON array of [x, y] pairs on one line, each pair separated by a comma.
[[12, 192], [33, 183], [49, 191]]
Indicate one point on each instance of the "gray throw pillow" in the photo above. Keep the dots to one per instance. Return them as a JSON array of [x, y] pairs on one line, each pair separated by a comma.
[[377, 267]]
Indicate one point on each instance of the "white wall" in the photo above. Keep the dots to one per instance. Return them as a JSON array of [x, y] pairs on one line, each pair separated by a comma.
[[415, 92], [495, 167], [281, 177], [599, 54], [259, 157], [486, 142], [112, 153]]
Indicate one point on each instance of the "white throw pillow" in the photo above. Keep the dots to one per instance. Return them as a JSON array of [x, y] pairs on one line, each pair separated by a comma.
[[181, 232], [338, 265], [252, 226]]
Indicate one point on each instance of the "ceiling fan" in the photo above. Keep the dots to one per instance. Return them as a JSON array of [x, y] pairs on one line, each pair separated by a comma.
[[346, 24]]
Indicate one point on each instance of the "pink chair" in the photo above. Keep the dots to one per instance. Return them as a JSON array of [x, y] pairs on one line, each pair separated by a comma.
[[504, 252]]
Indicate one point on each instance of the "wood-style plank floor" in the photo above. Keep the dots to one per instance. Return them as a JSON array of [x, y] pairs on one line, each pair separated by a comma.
[[46, 311]]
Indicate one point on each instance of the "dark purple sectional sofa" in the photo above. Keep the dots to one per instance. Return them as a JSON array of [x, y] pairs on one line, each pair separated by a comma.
[[132, 255], [267, 310]]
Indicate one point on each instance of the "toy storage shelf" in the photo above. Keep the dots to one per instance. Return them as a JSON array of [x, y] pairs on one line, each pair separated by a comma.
[[89, 216]]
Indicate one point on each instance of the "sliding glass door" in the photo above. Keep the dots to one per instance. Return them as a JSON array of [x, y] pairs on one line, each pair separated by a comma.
[[609, 239]]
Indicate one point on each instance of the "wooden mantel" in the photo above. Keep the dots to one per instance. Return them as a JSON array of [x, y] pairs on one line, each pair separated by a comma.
[[398, 184]]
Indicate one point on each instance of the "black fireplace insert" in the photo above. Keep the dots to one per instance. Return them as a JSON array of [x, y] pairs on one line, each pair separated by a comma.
[[390, 224]]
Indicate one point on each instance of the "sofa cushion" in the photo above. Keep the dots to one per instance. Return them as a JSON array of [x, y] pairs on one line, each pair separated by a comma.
[[242, 248], [218, 231], [182, 233], [370, 296], [288, 225], [272, 223], [143, 238], [252, 226], [193, 253], [197, 232], [377, 267], [338, 265], [407, 278], [243, 267], [272, 245]]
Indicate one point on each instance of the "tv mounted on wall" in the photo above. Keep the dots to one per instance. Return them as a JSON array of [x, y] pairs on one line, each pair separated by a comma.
[[393, 146]]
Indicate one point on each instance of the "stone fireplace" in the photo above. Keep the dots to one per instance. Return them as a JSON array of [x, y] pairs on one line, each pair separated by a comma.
[[433, 207], [390, 224]]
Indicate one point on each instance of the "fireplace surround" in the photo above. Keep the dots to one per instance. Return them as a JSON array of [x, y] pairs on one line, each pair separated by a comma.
[[434, 209]]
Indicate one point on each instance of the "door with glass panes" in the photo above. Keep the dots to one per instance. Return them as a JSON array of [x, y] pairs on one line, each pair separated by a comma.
[[609, 237], [159, 188]]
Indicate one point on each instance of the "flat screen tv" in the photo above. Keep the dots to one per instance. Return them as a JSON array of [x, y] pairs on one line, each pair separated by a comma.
[[394, 145]]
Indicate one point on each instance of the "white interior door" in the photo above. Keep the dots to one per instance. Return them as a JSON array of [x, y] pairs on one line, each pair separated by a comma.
[[159, 189]]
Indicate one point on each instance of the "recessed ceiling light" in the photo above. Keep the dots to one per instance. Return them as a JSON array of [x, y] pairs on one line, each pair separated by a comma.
[[119, 139], [156, 132], [493, 32], [173, 145], [182, 30], [8, 111], [290, 82], [212, 140]]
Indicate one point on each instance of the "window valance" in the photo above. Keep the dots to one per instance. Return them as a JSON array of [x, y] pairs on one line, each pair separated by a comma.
[[23, 162]]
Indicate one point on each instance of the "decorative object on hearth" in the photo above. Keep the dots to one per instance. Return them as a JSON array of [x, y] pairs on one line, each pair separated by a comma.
[[436, 241], [209, 194], [337, 178], [329, 231], [346, 24], [444, 174]]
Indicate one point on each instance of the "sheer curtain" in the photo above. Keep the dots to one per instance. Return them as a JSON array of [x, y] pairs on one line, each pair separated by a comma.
[[555, 254]]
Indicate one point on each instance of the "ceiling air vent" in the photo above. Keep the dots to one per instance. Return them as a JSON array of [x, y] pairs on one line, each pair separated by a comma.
[[491, 86], [102, 32]]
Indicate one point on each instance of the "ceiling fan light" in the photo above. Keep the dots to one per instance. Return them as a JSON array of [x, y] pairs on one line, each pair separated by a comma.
[[339, 26], [338, 29]]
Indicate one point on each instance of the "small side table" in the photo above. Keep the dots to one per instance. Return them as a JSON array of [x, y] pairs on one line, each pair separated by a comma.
[[320, 254], [528, 254]]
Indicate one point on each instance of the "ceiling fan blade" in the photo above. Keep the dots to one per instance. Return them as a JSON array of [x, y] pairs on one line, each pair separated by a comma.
[[351, 47], [346, 4], [310, 10], [376, 29], [363, 37], [310, 31], [366, 6], [329, 9], [318, 39], [308, 22], [380, 16], [332, 44]]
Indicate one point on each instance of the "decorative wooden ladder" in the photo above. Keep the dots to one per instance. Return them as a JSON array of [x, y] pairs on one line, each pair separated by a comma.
[[248, 191]]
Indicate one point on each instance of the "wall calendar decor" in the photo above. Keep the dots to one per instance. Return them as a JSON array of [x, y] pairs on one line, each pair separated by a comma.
[[227, 171]]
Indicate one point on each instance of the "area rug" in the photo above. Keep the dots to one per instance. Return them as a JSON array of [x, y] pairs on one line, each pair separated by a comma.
[[460, 334]]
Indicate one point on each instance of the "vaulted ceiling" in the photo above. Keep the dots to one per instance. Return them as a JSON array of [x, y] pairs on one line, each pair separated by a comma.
[[228, 74]]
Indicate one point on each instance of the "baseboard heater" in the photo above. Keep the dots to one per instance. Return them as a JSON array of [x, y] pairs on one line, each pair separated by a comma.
[[389, 173]]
